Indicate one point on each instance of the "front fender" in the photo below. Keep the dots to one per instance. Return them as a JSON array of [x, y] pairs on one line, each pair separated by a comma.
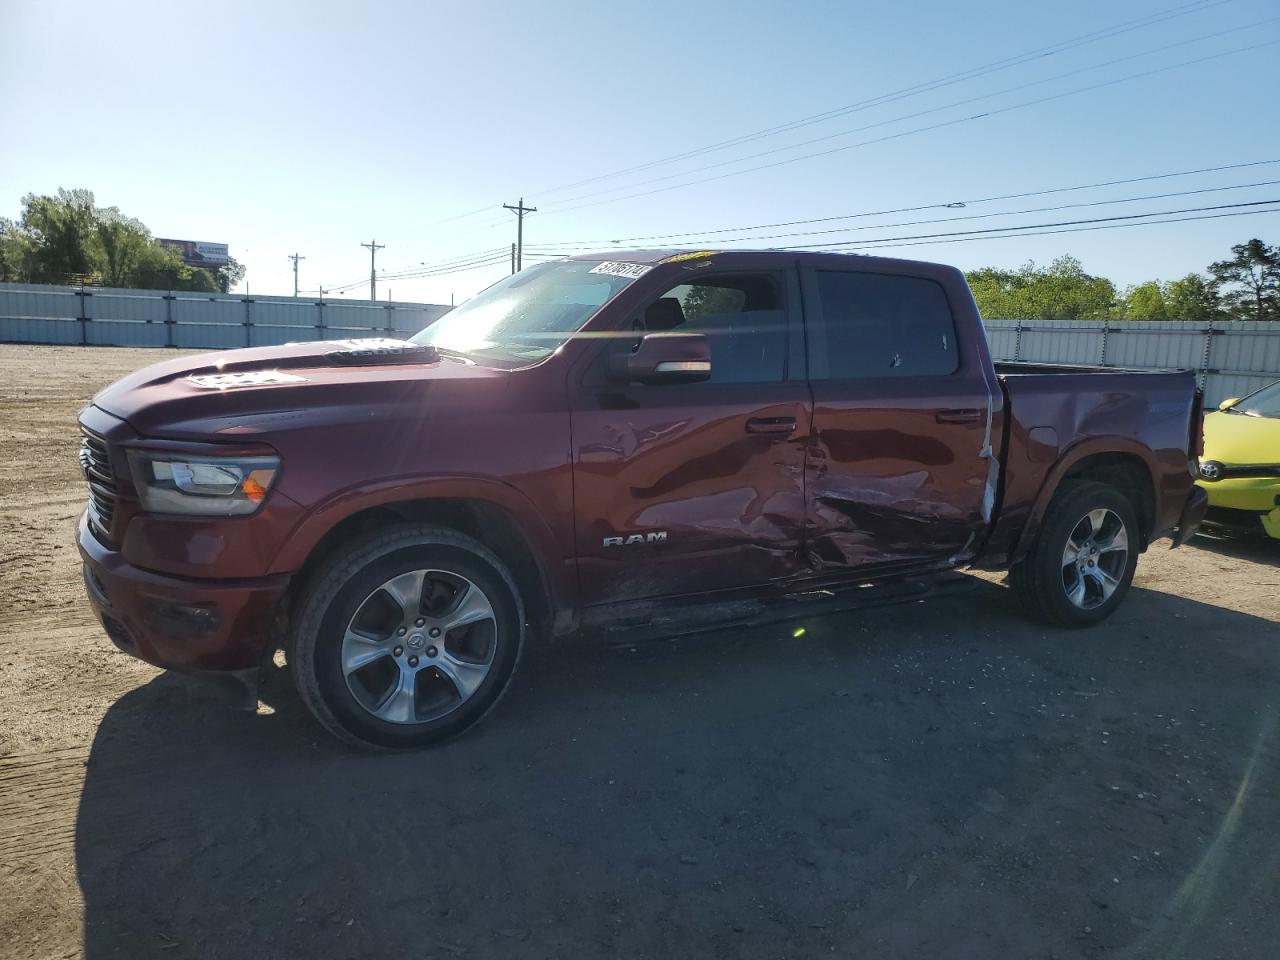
[[555, 564]]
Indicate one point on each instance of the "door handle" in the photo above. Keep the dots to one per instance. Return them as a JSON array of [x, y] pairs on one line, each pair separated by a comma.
[[958, 416], [777, 425]]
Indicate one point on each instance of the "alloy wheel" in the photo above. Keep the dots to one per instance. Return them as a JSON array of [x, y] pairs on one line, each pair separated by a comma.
[[1094, 559], [419, 646]]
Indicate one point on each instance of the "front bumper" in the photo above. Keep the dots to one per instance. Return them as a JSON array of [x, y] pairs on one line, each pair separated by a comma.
[[1251, 501], [180, 623]]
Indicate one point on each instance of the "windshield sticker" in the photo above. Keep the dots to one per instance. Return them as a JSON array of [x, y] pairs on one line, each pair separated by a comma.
[[615, 269], [249, 378]]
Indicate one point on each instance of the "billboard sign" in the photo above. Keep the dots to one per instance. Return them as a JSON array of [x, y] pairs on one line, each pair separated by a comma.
[[197, 253]]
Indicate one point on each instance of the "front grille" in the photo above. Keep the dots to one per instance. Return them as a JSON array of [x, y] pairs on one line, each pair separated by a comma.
[[95, 461]]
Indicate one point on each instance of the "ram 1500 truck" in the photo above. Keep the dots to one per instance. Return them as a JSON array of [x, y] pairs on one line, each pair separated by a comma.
[[599, 435]]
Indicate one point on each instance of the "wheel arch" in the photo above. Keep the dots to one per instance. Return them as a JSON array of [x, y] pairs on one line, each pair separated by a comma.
[[1117, 462], [504, 522]]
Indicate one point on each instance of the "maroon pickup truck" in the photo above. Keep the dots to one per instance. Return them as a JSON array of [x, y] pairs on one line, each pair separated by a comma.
[[593, 439]]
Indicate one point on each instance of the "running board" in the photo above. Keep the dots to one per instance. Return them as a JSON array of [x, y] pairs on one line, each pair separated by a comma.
[[665, 620]]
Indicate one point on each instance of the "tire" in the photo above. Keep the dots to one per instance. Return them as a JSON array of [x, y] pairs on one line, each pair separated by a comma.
[[1075, 575], [383, 663]]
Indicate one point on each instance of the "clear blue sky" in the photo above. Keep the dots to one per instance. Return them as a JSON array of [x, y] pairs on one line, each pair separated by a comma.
[[313, 127]]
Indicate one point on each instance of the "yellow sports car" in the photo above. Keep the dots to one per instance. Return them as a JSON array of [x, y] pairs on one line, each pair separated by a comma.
[[1240, 469]]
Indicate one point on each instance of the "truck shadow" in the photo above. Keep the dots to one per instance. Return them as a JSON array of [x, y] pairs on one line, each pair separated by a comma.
[[1257, 547], [898, 782]]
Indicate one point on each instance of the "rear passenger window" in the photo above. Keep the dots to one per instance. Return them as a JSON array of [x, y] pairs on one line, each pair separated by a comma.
[[880, 325]]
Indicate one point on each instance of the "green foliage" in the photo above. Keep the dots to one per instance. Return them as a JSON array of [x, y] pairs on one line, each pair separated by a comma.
[[1250, 281], [1192, 298], [230, 274], [1146, 301], [68, 239], [1246, 287], [1061, 291]]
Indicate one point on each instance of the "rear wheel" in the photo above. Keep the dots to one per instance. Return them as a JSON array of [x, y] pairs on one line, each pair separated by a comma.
[[406, 637], [1082, 561]]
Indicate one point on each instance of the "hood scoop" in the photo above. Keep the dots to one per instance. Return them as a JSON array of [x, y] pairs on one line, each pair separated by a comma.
[[375, 350]]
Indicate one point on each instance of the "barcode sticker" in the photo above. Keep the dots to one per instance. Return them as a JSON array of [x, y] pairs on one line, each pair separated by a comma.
[[616, 269]]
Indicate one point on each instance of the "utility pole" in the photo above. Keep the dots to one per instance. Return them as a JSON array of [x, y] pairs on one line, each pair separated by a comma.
[[513, 258], [295, 257], [373, 247], [519, 210]]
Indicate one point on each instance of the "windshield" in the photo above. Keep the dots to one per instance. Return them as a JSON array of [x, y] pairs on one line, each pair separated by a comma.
[[527, 316], [1264, 403]]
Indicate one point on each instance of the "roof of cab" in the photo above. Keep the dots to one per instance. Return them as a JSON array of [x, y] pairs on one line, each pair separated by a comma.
[[827, 258]]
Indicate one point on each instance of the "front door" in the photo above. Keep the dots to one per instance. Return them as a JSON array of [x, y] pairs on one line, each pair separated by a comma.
[[898, 468], [686, 488]]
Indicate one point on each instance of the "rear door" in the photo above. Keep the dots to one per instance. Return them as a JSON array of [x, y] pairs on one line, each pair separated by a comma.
[[692, 487], [896, 474]]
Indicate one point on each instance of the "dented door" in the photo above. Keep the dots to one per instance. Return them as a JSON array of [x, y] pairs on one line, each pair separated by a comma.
[[680, 490], [899, 468], [694, 487]]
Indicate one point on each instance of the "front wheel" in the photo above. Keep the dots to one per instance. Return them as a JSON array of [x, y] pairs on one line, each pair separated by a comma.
[[1082, 561], [406, 637]]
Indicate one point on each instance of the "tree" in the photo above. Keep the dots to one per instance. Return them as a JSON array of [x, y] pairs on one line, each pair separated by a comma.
[[1146, 301], [1061, 291], [15, 252], [1192, 298], [59, 230], [67, 238], [230, 274], [1250, 280], [122, 245]]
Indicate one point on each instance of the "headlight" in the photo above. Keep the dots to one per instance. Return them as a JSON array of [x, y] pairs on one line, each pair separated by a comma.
[[204, 486]]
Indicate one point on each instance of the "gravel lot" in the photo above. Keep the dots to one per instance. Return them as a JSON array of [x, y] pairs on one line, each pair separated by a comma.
[[923, 780]]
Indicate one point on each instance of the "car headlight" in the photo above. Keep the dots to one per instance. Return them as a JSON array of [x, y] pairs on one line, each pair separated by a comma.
[[202, 486]]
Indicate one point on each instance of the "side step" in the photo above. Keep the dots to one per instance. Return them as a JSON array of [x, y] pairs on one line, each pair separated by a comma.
[[638, 623]]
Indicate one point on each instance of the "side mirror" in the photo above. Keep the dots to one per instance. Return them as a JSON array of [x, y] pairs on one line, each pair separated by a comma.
[[664, 358], [1228, 404]]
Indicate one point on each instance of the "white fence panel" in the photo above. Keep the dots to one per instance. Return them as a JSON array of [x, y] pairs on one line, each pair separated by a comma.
[[1231, 358], [124, 305], [40, 313], [39, 330]]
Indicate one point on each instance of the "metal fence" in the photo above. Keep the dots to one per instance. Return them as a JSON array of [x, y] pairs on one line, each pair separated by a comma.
[[37, 313], [1232, 358]]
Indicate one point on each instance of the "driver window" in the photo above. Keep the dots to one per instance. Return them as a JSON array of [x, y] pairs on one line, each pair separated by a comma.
[[743, 316]]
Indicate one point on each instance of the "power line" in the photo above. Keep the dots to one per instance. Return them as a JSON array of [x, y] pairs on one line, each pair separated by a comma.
[[1086, 229], [460, 259], [920, 113], [919, 207], [1027, 226], [1104, 33], [934, 126], [997, 213], [448, 261]]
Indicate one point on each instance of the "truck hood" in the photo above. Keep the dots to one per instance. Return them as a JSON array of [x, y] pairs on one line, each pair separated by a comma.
[[236, 393]]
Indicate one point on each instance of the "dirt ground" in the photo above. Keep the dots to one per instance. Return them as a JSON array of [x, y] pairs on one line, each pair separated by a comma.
[[934, 779]]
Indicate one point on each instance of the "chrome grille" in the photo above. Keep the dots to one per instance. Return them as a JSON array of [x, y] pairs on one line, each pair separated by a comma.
[[95, 462]]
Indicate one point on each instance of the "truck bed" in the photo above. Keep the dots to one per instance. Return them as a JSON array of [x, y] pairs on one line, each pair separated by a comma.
[[1055, 413]]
